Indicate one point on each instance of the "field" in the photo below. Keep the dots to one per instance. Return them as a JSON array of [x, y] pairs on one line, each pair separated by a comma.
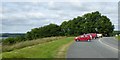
[[45, 50]]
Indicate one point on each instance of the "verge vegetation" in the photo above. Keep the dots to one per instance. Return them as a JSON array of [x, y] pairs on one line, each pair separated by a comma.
[[19, 45], [46, 50], [118, 37]]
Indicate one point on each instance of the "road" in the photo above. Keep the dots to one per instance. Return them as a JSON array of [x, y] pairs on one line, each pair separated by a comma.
[[106, 47]]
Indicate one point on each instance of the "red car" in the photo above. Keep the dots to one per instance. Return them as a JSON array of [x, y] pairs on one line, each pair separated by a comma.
[[86, 37], [94, 35]]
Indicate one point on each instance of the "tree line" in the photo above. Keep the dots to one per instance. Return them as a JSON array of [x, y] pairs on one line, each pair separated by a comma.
[[92, 22], [11, 34]]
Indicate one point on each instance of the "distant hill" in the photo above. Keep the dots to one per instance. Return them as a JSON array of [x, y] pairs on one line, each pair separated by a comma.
[[11, 34]]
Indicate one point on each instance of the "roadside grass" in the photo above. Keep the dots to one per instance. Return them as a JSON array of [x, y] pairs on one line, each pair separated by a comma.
[[118, 37], [6, 48], [0, 52], [0, 40], [45, 50], [62, 52], [0, 49]]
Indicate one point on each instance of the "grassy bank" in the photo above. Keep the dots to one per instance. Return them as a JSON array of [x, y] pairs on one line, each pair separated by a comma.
[[6, 48], [45, 50]]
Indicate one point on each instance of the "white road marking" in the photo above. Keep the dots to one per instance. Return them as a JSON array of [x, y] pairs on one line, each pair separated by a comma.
[[108, 45]]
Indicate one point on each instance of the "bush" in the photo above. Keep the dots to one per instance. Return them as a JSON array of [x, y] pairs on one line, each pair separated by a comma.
[[9, 40]]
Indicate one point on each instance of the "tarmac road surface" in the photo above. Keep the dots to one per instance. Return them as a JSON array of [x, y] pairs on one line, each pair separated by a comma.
[[106, 47]]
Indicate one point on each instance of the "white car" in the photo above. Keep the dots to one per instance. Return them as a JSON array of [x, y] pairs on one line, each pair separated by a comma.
[[99, 35]]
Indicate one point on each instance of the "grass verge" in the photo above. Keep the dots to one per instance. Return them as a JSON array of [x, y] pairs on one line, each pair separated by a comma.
[[45, 50], [62, 52], [118, 37], [6, 48]]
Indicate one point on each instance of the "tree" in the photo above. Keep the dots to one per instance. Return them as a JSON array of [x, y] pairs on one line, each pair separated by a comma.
[[45, 31], [104, 26], [88, 23]]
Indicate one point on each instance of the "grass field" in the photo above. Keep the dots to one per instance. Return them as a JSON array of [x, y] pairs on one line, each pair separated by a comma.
[[46, 50]]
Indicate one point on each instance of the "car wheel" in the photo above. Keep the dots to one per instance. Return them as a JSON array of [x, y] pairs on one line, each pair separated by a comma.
[[95, 37], [89, 40], [77, 40]]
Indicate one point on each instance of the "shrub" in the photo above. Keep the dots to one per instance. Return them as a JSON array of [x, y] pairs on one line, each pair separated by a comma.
[[9, 40]]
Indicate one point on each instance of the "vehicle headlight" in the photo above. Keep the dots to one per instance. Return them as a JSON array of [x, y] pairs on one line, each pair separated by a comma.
[[76, 37]]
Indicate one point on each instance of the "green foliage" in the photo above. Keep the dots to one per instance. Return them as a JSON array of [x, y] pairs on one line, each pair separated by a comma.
[[12, 40], [11, 34], [46, 31], [116, 32], [9, 41], [89, 23]]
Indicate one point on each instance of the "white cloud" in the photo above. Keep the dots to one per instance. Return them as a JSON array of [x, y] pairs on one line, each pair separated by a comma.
[[60, 0], [29, 15]]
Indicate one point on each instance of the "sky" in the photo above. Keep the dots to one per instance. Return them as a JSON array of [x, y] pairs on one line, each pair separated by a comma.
[[26, 15]]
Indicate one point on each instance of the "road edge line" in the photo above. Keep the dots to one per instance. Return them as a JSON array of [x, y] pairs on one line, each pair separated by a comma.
[[108, 45]]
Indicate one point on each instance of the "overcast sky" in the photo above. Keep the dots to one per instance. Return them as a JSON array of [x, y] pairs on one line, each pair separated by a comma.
[[24, 16]]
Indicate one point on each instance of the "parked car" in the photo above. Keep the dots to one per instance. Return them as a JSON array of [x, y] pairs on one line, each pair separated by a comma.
[[99, 35], [85, 37], [90, 36], [94, 35]]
